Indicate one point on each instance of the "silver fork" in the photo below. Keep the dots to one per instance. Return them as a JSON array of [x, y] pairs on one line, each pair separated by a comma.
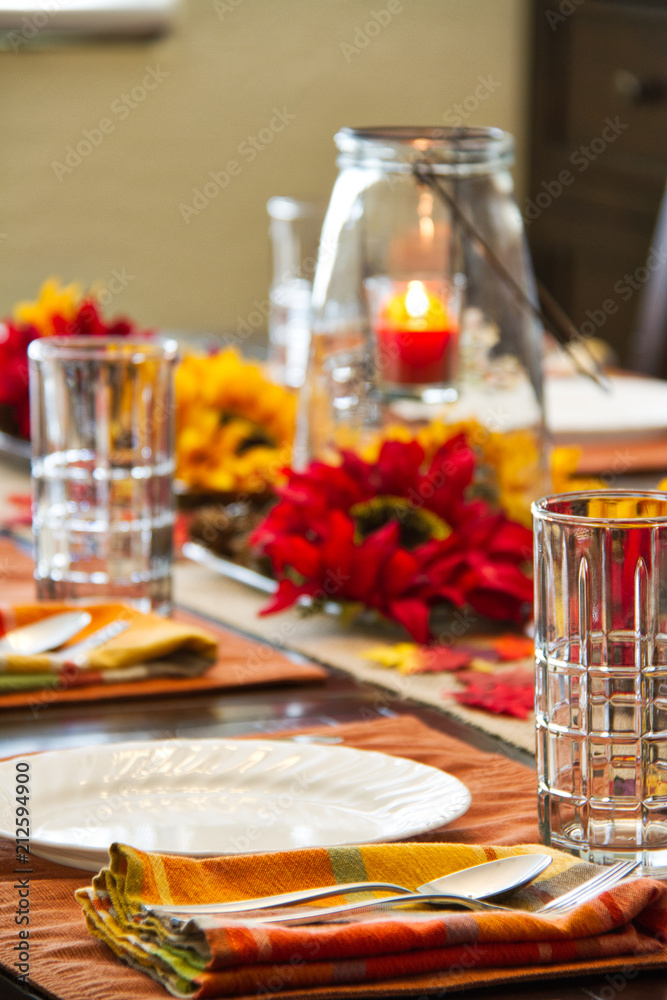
[[603, 881], [587, 890]]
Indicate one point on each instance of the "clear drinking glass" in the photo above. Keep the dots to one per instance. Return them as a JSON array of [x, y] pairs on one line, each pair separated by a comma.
[[102, 414], [601, 674], [294, 228]]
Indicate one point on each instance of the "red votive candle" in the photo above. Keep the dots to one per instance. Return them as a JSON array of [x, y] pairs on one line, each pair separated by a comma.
[[416, 338]]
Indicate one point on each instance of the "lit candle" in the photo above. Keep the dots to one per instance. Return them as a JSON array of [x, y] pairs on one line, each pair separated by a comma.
[[416, 338]]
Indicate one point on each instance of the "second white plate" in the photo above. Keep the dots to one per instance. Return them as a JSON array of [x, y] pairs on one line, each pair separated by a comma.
[[208, 797], [578, 409]]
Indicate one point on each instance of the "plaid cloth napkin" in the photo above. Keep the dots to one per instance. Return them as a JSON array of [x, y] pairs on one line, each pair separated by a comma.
[[219, 956], [152, 646]]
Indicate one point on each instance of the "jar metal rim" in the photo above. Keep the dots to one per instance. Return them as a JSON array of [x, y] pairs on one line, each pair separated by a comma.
[[541, 511]]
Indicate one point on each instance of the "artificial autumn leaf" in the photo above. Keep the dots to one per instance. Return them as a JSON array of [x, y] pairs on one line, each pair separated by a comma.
[[397, 656], [410, 658], [514, 647], [438, 658], [482, 665], [505, 692], [22, 502], [479, 650]]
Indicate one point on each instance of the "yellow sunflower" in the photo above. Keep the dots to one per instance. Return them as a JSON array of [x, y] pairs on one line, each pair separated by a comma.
[[234, 427], [53, 299]]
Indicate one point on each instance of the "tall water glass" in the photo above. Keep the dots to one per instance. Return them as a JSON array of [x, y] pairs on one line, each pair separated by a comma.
[[601, 674], [102, 466], [294, 228]]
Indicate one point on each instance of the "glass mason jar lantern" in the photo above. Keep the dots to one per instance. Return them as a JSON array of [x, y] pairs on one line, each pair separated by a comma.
[[412, 323]]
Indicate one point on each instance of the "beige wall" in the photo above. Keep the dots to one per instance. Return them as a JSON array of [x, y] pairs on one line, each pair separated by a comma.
[[225, 68]]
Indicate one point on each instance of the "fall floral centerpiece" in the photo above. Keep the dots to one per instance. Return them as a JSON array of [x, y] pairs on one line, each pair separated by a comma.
[[57, 311], [402, 534]]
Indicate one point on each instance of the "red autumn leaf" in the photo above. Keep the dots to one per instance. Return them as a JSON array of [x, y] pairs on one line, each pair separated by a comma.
[[436, 659], [514, 647], [505, 692]]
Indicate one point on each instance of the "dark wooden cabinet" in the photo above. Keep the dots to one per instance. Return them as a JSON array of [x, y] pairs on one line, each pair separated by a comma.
[[598, 160]]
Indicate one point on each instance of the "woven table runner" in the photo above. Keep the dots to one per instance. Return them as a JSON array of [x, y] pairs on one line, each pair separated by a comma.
[[72, 965], [328, 640], [241, 662]]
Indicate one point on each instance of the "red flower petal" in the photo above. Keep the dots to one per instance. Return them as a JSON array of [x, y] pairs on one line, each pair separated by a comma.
[[512, 541], [286, 595], [399, 572], [448, 476], [397, 467], [498, 591], [368, 559], [337, 549], [413, 615], [298, 553]]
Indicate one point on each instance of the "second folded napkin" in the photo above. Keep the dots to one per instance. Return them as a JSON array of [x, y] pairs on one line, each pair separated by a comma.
[[219, 956], [149, 645]]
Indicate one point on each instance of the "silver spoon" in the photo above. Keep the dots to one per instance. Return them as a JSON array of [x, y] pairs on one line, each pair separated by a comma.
[[299, 915], [476, 882], [47, 633]]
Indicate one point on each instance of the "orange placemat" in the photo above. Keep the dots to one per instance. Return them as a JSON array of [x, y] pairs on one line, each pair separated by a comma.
[[72, 965], [614, 459], [241, 662]]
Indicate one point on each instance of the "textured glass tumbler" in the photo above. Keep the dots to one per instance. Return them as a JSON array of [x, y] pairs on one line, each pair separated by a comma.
[[601, 674], [101, 416]]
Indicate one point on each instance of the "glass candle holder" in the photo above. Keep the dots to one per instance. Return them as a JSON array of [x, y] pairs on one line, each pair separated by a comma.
[[102, 413], [601, 675], [415, 325]]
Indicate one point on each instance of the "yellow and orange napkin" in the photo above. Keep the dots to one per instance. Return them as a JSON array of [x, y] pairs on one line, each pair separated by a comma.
[[150, 646], [221, 956]]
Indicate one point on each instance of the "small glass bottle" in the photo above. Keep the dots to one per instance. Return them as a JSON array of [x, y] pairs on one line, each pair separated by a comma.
[[409, 311]]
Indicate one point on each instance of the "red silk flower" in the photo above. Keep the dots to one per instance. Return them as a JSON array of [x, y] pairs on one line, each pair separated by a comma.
[[396, 536], [14, 340]]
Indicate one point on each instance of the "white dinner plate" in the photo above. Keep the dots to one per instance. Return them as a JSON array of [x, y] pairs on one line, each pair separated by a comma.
[[215, 796]]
